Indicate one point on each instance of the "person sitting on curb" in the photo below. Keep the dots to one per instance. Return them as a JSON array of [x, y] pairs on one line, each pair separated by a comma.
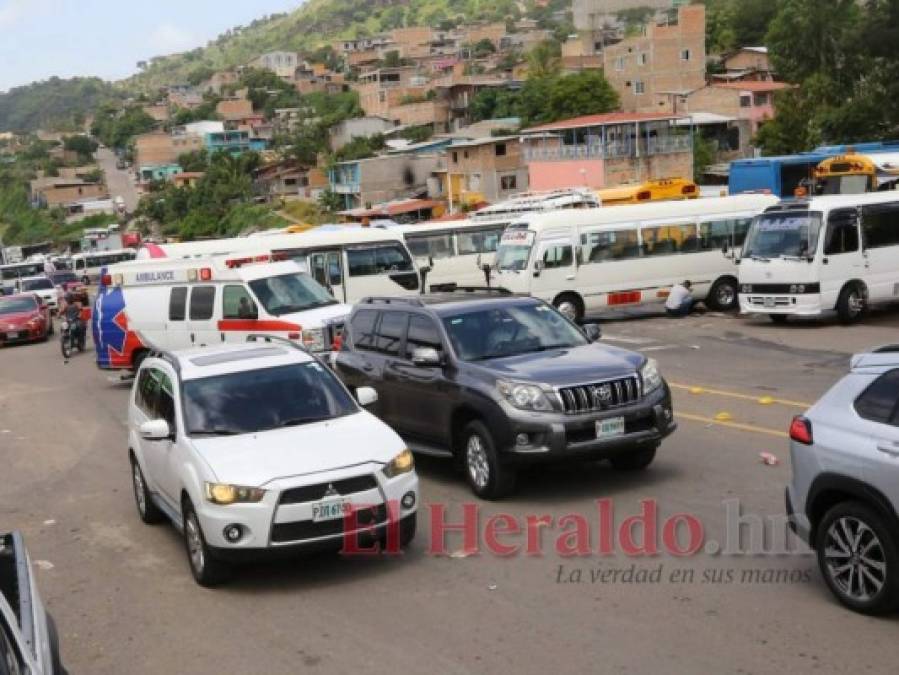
[[680, 300]]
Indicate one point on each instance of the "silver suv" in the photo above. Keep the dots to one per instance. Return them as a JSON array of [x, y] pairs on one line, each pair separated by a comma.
[[844, 495]]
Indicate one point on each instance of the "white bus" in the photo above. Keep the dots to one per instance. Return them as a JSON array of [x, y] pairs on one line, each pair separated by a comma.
[[807, 257], [592, 260], [10, 273], [352, 263], [87, 266]]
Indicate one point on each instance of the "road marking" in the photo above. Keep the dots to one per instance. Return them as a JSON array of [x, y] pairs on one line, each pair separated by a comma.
[[764, 400], [711, 421], [658, 348]]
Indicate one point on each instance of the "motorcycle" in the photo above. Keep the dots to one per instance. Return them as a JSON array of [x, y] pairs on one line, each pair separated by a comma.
[[71, 337]]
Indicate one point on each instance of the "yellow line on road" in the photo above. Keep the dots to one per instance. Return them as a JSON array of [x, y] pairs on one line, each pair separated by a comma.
[[765, 400], [732, 425]]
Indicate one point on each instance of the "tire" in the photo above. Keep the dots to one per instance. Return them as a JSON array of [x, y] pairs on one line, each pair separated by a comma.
[[634, 460], [570, 306], [877, 539], [724, 295], [207, 570], [487, 476], [147, 510], [779, 319], [851, 304], [65, 345], [50, 329], [408, 527]]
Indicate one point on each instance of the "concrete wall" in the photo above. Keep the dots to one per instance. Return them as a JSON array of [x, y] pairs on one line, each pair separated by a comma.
[[576, 173]]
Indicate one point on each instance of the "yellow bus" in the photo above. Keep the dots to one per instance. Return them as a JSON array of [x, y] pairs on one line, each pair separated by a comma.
[[649, 191], [854, 173]]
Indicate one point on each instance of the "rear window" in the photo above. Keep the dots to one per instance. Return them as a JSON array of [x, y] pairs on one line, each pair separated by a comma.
[[879, 402]]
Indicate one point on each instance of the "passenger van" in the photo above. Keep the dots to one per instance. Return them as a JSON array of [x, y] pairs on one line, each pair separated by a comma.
[[177, 304], [87, 266], [352, 262], [596, 259], [806, 257]]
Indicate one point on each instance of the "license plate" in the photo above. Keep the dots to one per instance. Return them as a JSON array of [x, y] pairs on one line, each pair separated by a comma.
[[12, 336], [330, 509], [610, 428], [769, 302]]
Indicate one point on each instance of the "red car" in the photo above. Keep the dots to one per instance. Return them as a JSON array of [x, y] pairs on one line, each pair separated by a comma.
[[23, 319]]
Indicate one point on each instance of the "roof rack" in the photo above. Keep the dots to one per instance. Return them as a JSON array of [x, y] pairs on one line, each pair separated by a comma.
[[455, 288], [388, 300]]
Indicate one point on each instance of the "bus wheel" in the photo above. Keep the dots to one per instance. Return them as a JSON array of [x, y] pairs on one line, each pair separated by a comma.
[[570, 306], [851, 304], [723, 296]]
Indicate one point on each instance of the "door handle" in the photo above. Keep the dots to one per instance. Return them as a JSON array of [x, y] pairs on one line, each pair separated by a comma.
[[570, 277], [888, 448]]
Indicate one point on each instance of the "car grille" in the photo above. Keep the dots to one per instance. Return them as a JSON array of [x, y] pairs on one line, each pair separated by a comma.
[[600, 395], [313, 493], [308, 529]]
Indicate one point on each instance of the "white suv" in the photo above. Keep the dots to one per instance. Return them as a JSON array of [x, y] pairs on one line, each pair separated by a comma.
[[844, 496], [258, 448]]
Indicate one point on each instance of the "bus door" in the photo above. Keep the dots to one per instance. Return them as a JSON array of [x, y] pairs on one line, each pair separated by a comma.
[[842, 252], [327, 269], [555, 266]]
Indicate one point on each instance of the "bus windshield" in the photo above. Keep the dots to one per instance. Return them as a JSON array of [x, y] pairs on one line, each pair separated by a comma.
[[843, 185], [289, 293], [783, 235], [514, 249]]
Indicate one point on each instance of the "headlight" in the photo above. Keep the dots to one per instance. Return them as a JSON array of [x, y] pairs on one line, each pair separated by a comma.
[[220, 493], [402, 463], [523, 396], [314, 339], [650, 375]]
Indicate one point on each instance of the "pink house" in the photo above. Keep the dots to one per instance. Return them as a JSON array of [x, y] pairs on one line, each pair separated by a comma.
[[597, 151], [745, 100]]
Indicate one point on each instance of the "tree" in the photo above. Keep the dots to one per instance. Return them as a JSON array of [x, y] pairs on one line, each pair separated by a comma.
[[703, 156], [547, 99], [84, 146], [330, 201], [545, 59], [195, 160], [392, 59]]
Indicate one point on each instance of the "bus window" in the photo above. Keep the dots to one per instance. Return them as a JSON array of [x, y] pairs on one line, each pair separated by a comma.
[[79, 264], [431, 245], [741, 229], [609, 245], [842, 232], [713, 234], [880, 223], [668, 239], [557, 255], [478, 241], [379, 259]]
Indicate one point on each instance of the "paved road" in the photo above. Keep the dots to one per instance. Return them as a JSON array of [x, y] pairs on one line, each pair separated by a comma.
[[118, 181], [124, 601]]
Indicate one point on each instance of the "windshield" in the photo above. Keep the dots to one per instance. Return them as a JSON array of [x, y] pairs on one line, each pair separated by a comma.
[[512, 258], [64, 277], [259, 400], [37, 285], [510, 330], [290, 293], [17, 305], [843, 185], [783, 235], [16, 271]]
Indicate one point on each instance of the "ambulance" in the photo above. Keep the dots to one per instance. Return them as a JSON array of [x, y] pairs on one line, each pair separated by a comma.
[[176, 304]]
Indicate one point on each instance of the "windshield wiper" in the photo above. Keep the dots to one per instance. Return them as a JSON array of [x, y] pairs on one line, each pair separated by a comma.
[[217, 431], [300, 421]]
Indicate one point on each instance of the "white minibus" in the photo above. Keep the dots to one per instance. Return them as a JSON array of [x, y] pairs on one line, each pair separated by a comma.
[[352, 263], [10, 273], [591, 260], [810, 256], [87, 266], [192, 302]]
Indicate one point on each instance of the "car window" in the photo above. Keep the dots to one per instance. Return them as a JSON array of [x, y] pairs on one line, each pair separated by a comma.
[[178, 304], [880, 401], [390, 332], [362, 329], [422, 333], [165, 402], [202, 300], [147, 392], [237, 304]]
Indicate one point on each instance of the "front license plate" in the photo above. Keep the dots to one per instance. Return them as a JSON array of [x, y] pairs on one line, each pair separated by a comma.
[[769, 302], [610, 428], [330, 509]]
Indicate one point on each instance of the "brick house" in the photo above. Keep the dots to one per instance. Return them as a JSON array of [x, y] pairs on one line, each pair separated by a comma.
[[746, 100], [363, 182], [602, 150], [57, 191], [493, 167], [235, 109], [154, 148], [748, 63]]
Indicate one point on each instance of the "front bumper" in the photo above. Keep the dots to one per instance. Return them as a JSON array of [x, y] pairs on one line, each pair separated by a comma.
[[809, 304], [270, 526], [22, 335], [557, 436]]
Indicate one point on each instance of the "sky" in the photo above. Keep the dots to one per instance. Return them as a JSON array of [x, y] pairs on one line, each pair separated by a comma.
[[42, 38]]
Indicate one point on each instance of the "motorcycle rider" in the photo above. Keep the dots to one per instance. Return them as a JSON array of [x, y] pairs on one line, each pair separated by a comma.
[[71, 312]]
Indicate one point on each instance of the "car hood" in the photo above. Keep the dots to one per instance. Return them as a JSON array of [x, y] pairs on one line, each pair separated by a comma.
[[318, 317], [17, 319], [258, 459], [560, 367]]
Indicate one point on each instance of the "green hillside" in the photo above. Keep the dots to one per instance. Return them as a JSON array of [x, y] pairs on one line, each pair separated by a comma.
[[315, 24], [54, 103]]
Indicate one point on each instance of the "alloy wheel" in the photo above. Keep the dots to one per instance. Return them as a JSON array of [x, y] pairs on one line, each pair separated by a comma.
[[855, 559], [478, 466], [194, 542], [568, 310], [139, 494]]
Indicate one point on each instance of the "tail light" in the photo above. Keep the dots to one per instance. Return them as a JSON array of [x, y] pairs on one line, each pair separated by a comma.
[[106, 280], [801, 430], [688, 189], [644, 195]]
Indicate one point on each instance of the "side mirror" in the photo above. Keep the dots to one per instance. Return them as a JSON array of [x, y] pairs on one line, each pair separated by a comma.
[[592, 331], [366, 396], [426, 357], [155, 430]]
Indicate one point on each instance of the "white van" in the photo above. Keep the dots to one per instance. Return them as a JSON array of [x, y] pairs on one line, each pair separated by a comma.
[[87, 266], [177, 304], [351, 262], [595, 259], [806, 257]]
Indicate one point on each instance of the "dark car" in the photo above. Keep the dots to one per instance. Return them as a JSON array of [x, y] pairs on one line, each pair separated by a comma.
[[498, 381]]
